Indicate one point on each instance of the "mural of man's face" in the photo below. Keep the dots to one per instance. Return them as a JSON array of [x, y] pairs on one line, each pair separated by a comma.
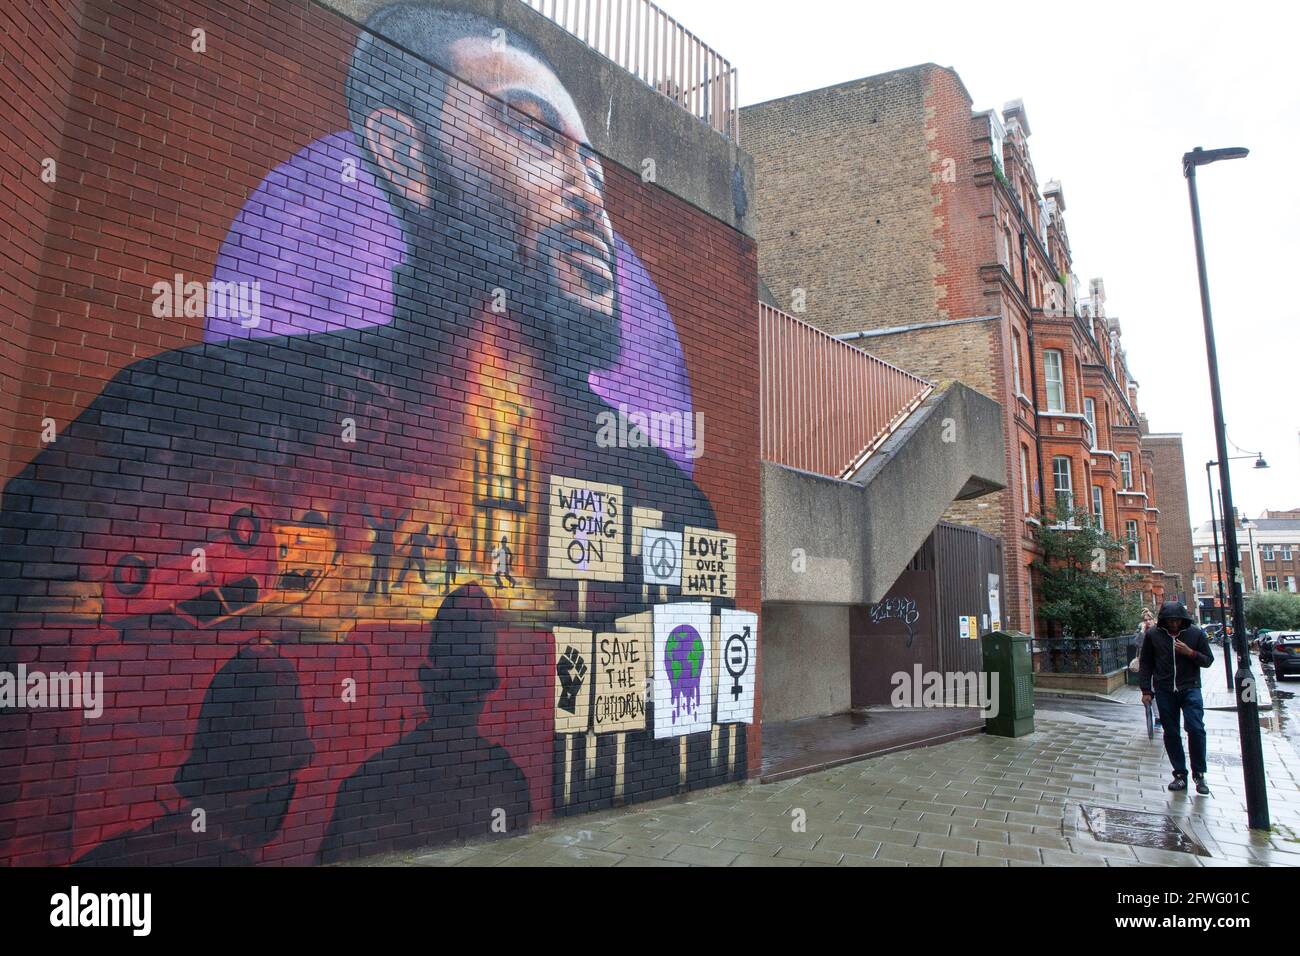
[[545, 173]]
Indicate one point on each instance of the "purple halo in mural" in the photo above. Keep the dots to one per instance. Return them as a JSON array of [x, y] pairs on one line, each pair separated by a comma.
[[319, 239]]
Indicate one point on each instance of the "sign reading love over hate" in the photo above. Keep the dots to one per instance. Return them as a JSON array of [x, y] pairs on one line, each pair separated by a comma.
[[709, 563]]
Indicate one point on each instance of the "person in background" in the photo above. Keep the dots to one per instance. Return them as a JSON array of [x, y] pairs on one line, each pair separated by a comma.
[[1170, 663]]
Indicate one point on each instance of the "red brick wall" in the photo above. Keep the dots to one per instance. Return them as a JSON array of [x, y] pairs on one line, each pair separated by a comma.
[[204, 533], [37, 50]]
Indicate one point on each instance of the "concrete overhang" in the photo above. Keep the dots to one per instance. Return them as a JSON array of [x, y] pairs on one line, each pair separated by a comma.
[[827, 541]]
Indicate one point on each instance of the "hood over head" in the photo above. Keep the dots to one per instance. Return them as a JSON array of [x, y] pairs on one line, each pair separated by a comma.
[[1174, 611]]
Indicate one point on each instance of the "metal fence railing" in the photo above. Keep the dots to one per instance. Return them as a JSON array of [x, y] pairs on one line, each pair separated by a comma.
[[1083, 655], [826, 406], [654, 47]]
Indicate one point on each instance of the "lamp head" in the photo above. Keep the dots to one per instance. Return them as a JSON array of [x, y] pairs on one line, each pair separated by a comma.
[[1203, 157]]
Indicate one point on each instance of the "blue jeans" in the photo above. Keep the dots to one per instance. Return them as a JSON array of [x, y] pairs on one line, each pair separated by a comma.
[[1188, 705]]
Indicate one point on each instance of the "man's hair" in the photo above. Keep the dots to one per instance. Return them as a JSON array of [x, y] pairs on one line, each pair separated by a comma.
[[391, 62]]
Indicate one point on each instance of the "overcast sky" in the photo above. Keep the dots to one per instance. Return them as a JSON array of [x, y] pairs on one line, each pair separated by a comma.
[[1115, 94]]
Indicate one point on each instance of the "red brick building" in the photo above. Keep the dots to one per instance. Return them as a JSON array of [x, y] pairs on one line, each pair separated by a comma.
[[893, 215]]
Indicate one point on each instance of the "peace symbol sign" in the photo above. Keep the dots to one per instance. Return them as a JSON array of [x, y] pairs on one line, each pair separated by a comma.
[[663, 557]]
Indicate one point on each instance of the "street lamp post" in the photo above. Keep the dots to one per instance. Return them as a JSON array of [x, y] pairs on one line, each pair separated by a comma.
[[1218, 561], [1218, 568], [1252, 747]]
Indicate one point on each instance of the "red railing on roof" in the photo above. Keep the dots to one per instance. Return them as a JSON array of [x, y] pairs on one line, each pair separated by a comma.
[[826, 405]]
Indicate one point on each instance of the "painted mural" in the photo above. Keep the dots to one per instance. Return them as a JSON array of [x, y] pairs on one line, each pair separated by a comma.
[[415, 595]]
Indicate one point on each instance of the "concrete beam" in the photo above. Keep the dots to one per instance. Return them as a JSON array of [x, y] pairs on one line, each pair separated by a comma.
[[858, 535]]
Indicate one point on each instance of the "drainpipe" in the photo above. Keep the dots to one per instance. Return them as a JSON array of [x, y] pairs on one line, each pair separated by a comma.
[[1033, 377]]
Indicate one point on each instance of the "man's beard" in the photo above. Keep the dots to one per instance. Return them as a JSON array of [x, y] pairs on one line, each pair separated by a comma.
[[577, 327], [582, 323]]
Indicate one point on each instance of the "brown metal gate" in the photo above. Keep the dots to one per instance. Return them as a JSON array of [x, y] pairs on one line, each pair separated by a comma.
[[956, 574]]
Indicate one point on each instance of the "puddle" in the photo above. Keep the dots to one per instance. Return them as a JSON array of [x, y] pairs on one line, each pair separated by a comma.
[[1157, 831]]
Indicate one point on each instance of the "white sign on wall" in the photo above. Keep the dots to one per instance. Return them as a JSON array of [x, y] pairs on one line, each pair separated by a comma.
[[683, 689], [661, 557], [736, 665]]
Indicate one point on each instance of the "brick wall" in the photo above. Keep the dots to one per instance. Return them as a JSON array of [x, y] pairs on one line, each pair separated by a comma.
[[37, 51], [349, 528], [843, 202], [1175, 521]]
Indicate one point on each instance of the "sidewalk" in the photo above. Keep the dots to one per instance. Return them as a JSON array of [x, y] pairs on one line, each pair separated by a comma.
[[976, 801]]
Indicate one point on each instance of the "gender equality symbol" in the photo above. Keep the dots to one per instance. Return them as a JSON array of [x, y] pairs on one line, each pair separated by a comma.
[[736, 656]]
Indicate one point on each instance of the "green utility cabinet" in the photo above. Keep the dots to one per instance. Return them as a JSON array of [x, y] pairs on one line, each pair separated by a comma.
[[1011, 657]]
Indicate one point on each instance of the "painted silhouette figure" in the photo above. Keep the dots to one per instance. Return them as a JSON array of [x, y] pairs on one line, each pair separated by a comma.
[[416, 545], [250, 743], [454, 784], [451, 564], [381, 549], [501, 559]]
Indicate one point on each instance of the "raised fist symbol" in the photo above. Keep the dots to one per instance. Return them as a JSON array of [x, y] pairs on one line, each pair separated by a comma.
[[572, 671]]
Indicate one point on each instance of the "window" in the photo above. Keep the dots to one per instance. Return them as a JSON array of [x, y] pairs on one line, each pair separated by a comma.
[[1054, 380], [1200, 584], [1024, 478], [1064, 486], [1290, 583], [1270, 582], [997, 137], [1126, 469], [1286, 552], [1131, 533], [1090, 413], [1015, 362], [1097, 509], [1268, 552]]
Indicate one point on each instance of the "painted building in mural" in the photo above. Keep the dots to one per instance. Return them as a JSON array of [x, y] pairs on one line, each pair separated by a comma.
[[386, 438]]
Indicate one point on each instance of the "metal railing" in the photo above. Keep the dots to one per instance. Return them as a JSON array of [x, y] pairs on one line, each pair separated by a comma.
[[826, 406], [1083, 655], [658, 50]]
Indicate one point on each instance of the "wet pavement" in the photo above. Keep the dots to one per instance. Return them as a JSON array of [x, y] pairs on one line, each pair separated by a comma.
[[974, 801]]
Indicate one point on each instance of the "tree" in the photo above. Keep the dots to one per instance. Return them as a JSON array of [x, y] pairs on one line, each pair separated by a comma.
[[1276, 610], [1083, 587]]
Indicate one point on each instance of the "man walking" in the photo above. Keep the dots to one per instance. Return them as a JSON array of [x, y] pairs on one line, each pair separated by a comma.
[[1170, 662]]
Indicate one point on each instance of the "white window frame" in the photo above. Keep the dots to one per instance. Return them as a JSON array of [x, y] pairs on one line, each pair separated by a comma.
[[1057, 490], [1286, 552], [1015, 362], [1267, 552], [1057, 384], [1098, 509], [1090, 413], [1290, 583], [1270, 582], [1134, 546], [1126, 469], [1026, 491]]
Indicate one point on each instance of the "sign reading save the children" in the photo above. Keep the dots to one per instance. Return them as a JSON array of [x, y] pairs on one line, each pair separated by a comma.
[[709, 563], [586, 531]]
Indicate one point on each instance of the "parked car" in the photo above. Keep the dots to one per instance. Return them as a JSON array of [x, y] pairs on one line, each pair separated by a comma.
[[1285, 652]]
